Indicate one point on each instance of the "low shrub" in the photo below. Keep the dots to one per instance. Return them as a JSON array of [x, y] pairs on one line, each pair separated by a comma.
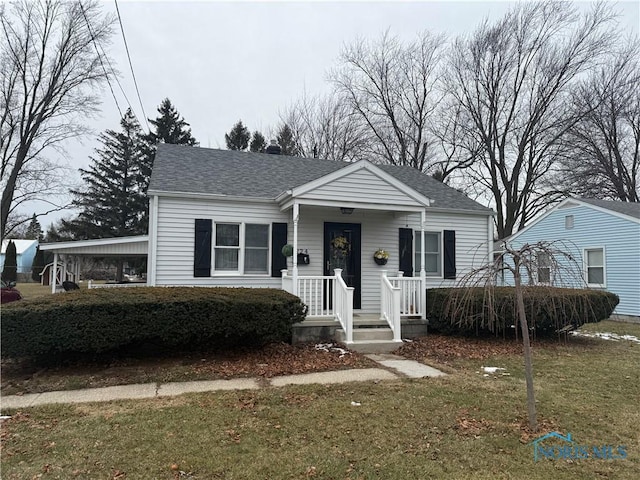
[[100, 320], [548, 309]]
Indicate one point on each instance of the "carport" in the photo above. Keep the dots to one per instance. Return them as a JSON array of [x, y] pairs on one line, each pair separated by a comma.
[[66, 255]]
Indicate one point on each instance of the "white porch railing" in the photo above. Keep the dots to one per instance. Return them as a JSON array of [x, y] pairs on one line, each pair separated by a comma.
[[390, 305], [330, 297], [325, 297], [411, 294]]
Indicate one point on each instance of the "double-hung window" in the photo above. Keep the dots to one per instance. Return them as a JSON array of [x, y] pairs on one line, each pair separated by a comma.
[[227, 247], [256, 250], [544, 267], [594, 266], [241, 248], [432, 253]]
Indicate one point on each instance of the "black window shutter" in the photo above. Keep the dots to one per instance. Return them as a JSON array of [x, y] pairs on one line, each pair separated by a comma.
[[278, 240], [202, 248], [406, 251], [449, 254]]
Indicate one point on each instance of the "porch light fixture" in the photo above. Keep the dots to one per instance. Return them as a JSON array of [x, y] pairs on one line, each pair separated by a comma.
[[346, 210]]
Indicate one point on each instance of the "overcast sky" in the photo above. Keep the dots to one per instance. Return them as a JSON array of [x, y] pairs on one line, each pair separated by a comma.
[[219, 62]]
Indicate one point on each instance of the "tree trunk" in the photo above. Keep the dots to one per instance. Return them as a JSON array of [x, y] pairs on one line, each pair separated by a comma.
[[528, 363]]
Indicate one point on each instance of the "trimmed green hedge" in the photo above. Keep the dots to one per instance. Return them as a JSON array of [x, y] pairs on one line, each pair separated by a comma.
[[548, 309], [99, 320]]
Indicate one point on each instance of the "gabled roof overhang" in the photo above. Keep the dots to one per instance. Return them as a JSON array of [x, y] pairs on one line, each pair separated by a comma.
[[302, 195]]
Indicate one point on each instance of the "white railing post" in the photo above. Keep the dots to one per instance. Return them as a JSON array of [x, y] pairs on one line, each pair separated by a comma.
[[383, 307], [395, 314], [349, 315]]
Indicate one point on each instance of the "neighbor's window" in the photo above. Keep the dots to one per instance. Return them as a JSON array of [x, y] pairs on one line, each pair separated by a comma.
[[432, 253], [242, 248], [544, 267], [568, 222], [594, 260]]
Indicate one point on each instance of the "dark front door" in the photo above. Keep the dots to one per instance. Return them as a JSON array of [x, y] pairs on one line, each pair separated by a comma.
[[342, 250]]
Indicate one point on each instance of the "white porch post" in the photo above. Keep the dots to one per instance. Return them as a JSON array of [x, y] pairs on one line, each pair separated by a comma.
[[296, 215], [423, 272], [54, 271]]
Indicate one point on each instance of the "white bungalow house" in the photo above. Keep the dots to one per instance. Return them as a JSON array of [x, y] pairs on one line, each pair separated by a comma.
[[222, 218]]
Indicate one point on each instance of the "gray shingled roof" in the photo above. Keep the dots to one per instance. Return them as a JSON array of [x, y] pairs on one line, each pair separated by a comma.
[[626, 208], [180, 168]]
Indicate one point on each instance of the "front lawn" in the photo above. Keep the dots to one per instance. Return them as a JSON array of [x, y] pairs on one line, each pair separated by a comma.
[[467, 425]]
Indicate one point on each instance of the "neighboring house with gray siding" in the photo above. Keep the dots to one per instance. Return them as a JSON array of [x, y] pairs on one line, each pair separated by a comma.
[[220, 217], [603, 236]]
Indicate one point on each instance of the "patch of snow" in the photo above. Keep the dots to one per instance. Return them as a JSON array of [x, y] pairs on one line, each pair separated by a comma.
[[492, 369], [332, 348], [606, 336]]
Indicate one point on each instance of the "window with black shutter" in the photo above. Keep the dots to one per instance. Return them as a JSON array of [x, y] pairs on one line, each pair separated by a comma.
[[202, 248]]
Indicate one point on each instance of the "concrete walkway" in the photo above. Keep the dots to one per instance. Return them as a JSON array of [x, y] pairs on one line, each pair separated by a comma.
[[394, 367]]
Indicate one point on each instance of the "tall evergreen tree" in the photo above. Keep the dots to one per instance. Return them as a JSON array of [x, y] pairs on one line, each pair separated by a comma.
[[286, 141], [10, 270], [34, 230], [238, 137], [38, 265], [258, 143], [113, 202], [170, 127]]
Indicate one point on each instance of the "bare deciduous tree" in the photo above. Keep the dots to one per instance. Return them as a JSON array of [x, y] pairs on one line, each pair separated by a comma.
[[512, 79], [326, 127], [49, 71], [393, 89], [602, 155]]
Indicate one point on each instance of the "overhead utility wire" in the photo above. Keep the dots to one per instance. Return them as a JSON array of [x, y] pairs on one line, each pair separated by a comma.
[[135, 83], [95, 45]]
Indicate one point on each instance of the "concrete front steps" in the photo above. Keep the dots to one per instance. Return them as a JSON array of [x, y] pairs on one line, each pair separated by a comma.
[[370, 335]]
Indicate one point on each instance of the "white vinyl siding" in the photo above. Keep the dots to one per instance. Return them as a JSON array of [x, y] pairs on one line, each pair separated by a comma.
[[361, 186], [380, 229], [175, 239]]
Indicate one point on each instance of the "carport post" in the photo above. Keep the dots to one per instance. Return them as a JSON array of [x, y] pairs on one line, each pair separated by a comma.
[[54, 267]]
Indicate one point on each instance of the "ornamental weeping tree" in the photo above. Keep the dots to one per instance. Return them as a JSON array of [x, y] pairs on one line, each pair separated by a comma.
[[541, 262]]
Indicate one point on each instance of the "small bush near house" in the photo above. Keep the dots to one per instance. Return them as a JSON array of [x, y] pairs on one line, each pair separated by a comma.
[[101, 320], [549, 309]]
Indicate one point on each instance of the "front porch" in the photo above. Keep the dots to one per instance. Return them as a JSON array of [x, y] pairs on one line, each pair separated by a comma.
[[331, 315]]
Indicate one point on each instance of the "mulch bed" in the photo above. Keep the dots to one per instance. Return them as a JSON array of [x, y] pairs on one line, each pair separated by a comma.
[[443, 349], [90, 372]]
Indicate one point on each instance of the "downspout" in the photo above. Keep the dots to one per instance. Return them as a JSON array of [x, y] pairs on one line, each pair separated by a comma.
[[423, 271], [153, 235], [296, 216]]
